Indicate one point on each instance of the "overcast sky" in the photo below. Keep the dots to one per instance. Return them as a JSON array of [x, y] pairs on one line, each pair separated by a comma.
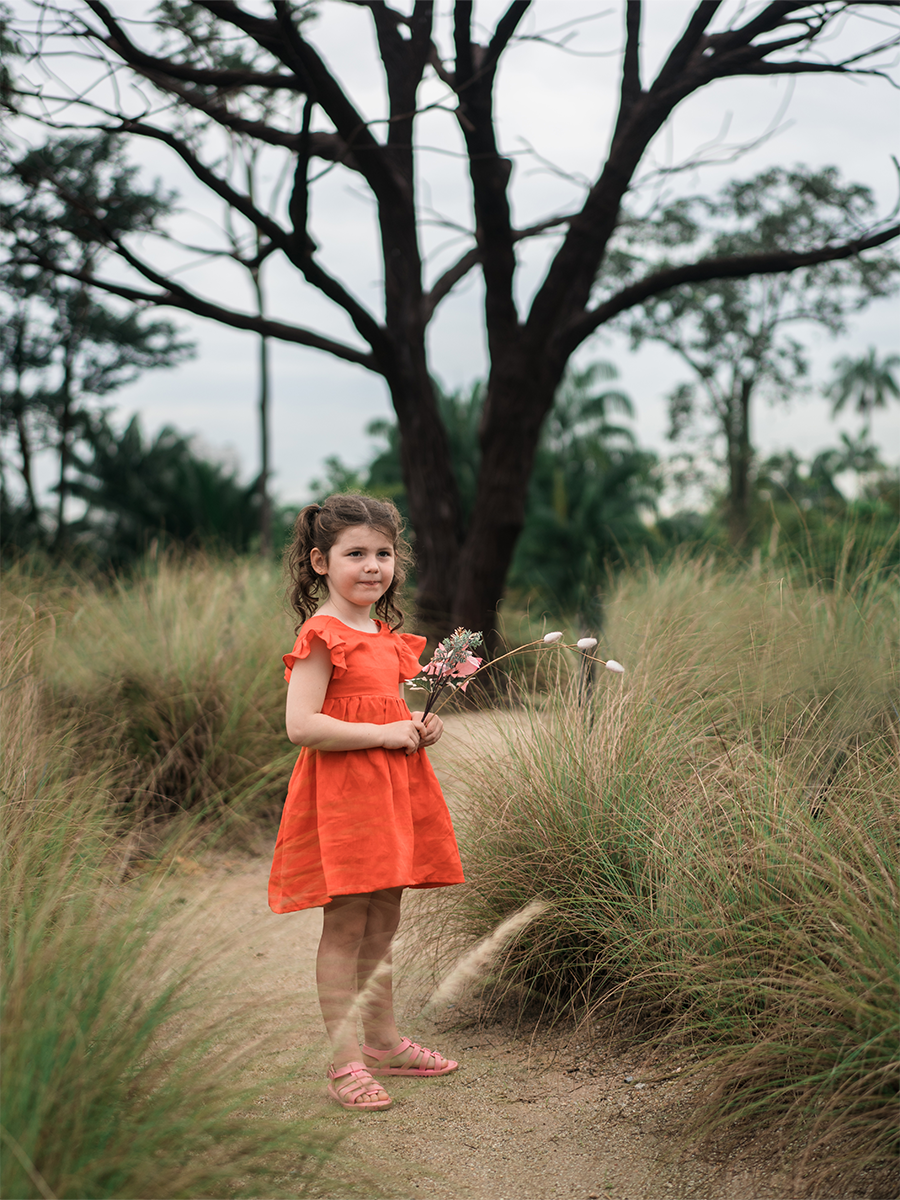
[[561, 103]]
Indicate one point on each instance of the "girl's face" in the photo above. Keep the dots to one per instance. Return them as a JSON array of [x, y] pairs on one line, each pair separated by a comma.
[[359, 567]]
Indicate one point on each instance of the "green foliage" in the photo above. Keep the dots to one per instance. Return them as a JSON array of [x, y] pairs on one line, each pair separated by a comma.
[[715, 836], [137, 493], [736, 335], [60, 347], [125, 1061], [589, 490], [865, 381]]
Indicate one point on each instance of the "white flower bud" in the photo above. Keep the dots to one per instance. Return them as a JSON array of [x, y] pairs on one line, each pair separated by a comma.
[[586, 643], [552, 637], [612, 665]]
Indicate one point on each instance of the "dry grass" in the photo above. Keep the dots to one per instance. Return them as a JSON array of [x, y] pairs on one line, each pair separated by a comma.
[[122, 1067], [173, 674], [714, 837]]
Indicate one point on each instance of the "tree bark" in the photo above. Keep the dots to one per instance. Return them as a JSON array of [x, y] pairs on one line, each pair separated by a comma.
[[520, 394], [740, 457], [262, 484], [431, 490]]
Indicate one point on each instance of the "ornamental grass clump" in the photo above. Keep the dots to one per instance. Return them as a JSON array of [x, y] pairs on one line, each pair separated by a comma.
[[174, 672], [713, 834], [124, 1071]]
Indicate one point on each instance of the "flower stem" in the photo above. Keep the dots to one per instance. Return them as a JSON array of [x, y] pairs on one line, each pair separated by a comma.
[[509, 653]]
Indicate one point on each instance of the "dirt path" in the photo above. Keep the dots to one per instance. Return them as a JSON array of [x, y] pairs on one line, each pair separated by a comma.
[[522, 1119]]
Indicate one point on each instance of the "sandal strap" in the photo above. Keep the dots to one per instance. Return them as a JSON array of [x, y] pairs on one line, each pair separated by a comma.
[[359, 1083], [417, 1056]]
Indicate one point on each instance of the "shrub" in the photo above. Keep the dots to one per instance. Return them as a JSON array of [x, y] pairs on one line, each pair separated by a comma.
[[122, 1069], [174, 673], [713, 835]]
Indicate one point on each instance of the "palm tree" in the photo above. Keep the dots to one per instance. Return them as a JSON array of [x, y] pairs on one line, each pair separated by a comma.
[[864, 381]]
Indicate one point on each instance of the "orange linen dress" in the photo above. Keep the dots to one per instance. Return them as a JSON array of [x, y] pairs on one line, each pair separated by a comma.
[[361, 820]]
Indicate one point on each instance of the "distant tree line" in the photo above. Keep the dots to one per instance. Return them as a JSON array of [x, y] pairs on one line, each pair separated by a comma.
[[63, 353]]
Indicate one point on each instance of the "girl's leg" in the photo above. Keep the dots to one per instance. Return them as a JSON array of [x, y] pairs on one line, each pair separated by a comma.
[[379, 1024], [343, 932], [374, 969]]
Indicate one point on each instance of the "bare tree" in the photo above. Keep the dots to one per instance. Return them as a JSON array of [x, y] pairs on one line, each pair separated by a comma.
[[461, 570]]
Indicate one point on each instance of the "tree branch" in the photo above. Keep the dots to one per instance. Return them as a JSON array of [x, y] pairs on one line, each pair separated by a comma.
[[631, 64], [298, 248], [177, 297], [235, 199], [462, 43], [331, 98], [682, 52], [446, 282], [221, 113], [450, 278], [506, 27], [219, 77], [739, 266]]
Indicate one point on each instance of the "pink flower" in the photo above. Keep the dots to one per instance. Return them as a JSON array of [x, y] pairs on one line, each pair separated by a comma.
[[437, 668], [469, 667]]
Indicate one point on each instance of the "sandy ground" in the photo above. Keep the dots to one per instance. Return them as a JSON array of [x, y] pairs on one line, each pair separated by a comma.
[[525, 1117]]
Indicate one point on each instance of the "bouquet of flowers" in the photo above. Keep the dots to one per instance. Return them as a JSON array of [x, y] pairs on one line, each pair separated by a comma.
[[454, 665]]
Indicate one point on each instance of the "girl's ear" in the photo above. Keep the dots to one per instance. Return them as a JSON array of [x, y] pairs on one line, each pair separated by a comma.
[[318, 561]]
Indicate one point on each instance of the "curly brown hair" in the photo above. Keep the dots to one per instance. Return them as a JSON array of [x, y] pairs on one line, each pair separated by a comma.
[[319, 527]]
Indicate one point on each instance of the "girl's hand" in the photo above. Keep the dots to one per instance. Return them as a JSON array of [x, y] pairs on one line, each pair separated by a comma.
[[430, 730], [401, 735]]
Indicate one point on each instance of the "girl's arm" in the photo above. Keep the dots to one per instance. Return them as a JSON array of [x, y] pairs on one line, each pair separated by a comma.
[[308, 726]]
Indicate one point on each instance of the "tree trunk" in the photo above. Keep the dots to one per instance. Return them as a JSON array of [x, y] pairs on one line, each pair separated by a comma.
[[65, 428], [740, 457], [432, 493], [518, 398], [25, 455], [265, 503]]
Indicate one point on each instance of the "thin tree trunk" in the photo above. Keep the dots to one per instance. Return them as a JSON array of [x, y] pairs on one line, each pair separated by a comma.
[[265, 505], [740, 457], [18, 408], [25, 454], [65, 430]]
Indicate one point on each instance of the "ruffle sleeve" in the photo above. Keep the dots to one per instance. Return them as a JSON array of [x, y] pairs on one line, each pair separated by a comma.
[[333, 640], [410, 648]]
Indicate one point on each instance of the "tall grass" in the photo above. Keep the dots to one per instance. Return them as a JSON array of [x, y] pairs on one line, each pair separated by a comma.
[[714, 835], [120, 1076], [174, 673]]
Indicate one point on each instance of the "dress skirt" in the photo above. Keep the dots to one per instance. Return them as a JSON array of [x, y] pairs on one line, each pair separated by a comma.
[[358, 821]]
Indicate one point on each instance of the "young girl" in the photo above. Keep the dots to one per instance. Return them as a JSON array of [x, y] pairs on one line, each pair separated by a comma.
[[364, 816]]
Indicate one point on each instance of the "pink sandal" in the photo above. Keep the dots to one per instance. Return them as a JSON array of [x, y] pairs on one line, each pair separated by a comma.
[[358, 1087], [415, 1054]]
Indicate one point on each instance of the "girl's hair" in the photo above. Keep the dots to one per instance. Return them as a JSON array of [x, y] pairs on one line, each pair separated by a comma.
[[319, 527]]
